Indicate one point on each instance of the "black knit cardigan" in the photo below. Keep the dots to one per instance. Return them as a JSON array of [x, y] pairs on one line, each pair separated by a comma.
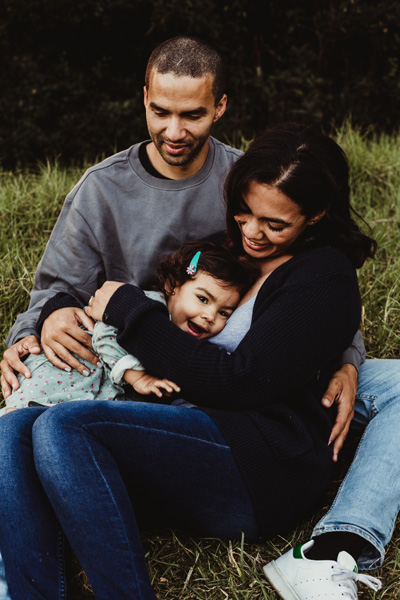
[[266, 396]]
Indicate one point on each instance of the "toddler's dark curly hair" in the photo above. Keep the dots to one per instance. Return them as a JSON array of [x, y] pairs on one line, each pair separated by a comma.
[[215, 260]]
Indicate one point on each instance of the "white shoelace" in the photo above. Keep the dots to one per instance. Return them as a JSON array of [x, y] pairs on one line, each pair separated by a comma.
[[350, 579]]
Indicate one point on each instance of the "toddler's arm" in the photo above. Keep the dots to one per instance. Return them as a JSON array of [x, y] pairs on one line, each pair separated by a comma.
[[112, 354], [143, 383], [126, 367]]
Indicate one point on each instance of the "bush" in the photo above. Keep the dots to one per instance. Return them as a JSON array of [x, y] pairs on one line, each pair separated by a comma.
[[72, 74]]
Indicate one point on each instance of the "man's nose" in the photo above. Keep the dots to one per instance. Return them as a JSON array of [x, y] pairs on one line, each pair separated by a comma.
[[175, 130]]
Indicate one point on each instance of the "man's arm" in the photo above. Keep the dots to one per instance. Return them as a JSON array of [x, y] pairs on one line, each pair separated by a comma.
[[342, 390], [72, 263]]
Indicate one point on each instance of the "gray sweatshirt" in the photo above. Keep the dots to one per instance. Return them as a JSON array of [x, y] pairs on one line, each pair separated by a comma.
[[117, 222]]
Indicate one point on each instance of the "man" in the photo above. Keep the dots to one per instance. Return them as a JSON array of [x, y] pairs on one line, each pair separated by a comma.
[[137, 204]]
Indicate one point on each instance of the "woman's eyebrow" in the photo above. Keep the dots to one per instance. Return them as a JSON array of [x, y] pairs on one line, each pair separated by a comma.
[[276, 220]]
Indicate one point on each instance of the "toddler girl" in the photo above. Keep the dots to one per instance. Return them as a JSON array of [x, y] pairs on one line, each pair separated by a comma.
[[201, 283]]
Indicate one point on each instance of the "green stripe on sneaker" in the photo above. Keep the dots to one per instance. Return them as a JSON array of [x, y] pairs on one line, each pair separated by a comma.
[[297, 551]]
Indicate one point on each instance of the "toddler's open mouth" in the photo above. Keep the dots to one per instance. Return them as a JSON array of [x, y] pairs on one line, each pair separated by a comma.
[[195, 330]]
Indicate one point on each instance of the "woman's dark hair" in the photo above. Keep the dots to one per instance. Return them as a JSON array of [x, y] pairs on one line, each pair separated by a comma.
[[311, 169], [215, 260]]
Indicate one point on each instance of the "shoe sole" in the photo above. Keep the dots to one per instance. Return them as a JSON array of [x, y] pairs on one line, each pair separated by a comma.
[[279, 582]]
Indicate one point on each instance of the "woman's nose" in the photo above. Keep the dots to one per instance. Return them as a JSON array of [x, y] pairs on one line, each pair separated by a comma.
[[251, 229]]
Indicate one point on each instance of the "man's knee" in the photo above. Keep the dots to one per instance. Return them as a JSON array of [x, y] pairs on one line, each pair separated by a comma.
[[16, 426]]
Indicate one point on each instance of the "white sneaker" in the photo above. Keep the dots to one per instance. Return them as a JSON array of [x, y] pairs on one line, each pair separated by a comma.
[[295, 577]]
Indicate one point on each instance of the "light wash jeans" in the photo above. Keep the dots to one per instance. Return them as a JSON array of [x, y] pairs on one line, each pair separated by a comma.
[[368, 500]]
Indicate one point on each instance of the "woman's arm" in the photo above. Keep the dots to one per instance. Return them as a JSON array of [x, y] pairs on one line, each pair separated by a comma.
[[300, 325]]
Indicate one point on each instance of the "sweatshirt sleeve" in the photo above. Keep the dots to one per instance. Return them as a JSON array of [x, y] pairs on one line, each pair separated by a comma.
[[297, 329], [355, 354], [71, 264]]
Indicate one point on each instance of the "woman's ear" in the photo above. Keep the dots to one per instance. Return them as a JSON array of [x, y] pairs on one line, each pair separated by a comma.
[[316, 218]]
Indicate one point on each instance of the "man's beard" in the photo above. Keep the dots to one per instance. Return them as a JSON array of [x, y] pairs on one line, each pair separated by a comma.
[[193, 150]]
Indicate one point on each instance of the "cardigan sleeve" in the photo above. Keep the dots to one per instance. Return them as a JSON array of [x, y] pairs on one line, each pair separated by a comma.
[[60, 300], [301, 322]]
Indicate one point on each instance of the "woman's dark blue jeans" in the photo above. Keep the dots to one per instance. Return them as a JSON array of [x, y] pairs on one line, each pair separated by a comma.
[[106, 467]]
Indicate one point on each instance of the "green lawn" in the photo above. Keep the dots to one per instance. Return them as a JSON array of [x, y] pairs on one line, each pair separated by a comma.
[[182, 567]]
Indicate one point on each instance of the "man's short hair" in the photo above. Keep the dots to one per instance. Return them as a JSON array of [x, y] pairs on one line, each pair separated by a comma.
[[188, 57]]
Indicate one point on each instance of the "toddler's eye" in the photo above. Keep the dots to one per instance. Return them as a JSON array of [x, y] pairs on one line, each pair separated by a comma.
[[225, 314], [203, 299]]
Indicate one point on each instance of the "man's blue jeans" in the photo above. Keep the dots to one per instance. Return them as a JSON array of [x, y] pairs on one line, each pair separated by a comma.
[[367, 502], [107, 466], [368, 499]]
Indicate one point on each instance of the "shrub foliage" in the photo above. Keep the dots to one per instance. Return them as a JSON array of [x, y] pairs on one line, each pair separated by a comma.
[[72, 73]]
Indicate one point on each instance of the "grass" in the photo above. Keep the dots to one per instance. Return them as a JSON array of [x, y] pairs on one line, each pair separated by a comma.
[[207, 569]]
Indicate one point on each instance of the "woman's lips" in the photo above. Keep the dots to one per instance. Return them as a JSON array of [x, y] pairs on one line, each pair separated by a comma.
[[255, 245]]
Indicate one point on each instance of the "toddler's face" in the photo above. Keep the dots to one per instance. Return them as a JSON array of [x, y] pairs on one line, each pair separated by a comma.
[[202, 305]]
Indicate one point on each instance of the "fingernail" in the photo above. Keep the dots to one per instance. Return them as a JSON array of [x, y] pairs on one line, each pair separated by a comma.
[[99, 365], [325, 401], [27, 374], [67, 369], [6, 394]]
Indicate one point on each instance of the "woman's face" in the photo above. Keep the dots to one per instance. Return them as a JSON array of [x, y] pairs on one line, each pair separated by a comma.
[[272, 223]]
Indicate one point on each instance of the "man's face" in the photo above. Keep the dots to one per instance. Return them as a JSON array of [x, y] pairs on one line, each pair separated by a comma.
[[180, 112]]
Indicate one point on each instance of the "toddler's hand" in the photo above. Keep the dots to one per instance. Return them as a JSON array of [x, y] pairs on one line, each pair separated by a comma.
[[148, 384]]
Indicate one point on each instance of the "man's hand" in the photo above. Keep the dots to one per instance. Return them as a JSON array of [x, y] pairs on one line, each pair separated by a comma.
[[12, 363], [61, 335], [342, 390]]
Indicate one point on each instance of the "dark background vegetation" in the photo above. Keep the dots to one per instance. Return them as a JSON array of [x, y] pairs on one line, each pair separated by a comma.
[[72, 71]]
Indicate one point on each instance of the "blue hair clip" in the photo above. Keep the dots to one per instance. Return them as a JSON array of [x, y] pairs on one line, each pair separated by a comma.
[[192, 268]]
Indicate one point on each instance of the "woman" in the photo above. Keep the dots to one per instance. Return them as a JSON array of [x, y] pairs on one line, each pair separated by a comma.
[[255, 457]]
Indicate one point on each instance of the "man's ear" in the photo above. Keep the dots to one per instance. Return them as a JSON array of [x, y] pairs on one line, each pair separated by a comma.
[[220, 109], [145, 95]]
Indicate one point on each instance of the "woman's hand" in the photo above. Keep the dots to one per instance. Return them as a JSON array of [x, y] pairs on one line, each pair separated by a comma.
[[98, 302], [342, 390]]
